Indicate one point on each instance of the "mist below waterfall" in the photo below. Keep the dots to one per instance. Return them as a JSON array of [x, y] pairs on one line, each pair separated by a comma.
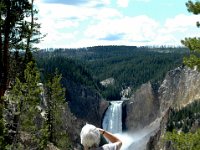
[[137, 140]]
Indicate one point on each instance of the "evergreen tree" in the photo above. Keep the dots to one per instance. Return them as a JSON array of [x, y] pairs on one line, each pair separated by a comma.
[[193, 43], [184, 141], [56, 107], [3, 132], [29, 121], [16, 33]]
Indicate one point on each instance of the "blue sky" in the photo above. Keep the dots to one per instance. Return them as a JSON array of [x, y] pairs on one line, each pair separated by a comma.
[[83, 23]]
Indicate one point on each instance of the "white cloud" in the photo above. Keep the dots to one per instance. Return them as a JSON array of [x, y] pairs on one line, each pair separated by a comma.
[[81, 26], [106, 2], [61, 21], [143, 0], [88, 3], [132, 28], [182, 21], [75, 13], [177, 28], [143, 30], [122, 3]]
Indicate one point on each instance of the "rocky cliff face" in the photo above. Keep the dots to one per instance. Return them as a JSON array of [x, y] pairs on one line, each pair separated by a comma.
[[180, 87], [142, 108], [85, 103], [154, 142]]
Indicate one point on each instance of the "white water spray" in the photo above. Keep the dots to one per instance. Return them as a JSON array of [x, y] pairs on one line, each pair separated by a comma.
[[137, 140], [112, 121]]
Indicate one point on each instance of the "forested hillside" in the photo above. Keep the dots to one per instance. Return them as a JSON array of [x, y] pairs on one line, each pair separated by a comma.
[[183, 128], [185, 118], [130, 66], [70, 69]]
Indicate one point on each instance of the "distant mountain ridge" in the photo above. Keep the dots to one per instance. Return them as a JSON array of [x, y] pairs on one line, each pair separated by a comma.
[[111, 50], [129, 66]]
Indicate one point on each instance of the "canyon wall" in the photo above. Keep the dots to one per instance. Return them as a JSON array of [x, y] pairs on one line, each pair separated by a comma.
[[179, 88]]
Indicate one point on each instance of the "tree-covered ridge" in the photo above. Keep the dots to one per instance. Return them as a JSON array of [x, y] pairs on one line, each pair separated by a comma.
[[183, 141], [128, 65], [95, 52], [183, 128], [134, 69], [71, 70], [184, 118]]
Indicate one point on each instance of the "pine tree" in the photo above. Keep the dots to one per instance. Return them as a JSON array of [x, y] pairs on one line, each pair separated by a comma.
[[184, 141], [193, 43], [56, 107], [16, 33], [29, 121]]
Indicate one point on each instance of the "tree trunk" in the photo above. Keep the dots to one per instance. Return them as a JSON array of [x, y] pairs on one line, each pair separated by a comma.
[[28, 55], [4, 82], [1, 60]]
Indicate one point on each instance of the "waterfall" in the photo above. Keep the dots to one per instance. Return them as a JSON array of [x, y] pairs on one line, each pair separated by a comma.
[[112, 121], [136, 140]]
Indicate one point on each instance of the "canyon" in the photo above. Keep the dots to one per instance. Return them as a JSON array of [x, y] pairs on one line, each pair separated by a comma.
[[147, 105]]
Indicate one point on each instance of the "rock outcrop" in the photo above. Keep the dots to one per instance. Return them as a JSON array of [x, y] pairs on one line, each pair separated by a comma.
[[154, 142], [179, 88], [142, 108]]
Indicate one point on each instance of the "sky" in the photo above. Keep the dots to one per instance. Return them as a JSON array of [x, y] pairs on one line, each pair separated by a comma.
[[84, 23]]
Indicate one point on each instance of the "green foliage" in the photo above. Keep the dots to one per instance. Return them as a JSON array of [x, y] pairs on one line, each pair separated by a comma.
[[27, 97], [28, 122], [184, 118], [184, 141], [70, 69], [111, 92], [128, 65], [3, 132], [193, 43], [193, 7], [19, 31], [55, 111]]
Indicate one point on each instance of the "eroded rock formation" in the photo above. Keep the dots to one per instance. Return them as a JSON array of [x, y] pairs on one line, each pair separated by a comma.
[[142, 108], [179, 88]]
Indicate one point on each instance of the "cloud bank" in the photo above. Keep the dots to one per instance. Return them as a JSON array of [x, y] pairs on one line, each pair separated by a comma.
[[82, 23]]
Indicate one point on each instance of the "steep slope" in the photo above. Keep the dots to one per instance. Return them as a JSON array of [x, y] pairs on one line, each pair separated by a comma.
[[179, 88], [142, 108], [82, 94], [85, 103]]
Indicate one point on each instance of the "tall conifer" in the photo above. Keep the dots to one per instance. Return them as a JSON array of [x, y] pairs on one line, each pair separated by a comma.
[[56, 109], [27, 96], [193, 43]]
